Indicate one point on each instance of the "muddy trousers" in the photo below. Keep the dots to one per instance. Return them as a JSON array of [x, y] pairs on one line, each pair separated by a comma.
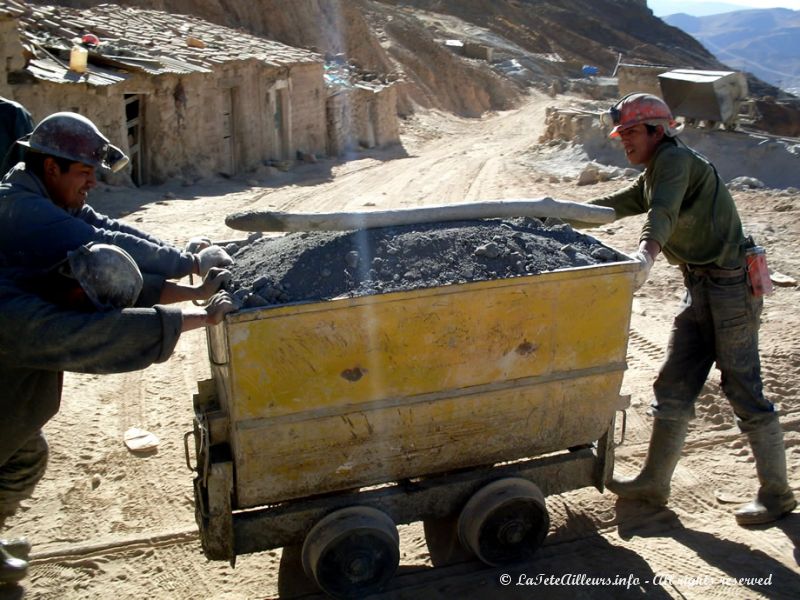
[[718, 322], [20, 474]]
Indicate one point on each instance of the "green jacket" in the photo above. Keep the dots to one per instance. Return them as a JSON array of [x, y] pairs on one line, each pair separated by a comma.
[[690, 212]]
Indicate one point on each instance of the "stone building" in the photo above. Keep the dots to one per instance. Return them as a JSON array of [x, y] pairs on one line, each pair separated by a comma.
[[361, 108], [640, 78], [183, 97]]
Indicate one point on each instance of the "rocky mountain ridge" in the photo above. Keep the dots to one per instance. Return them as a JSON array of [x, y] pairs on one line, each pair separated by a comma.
[[765, 42]]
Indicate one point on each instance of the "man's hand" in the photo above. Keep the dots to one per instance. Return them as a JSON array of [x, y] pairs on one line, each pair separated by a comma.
[[195, 244], [218, 306], [215, 280], [210, 257], [645, 261]]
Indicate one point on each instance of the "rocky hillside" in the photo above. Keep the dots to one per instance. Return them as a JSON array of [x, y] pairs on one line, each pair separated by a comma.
[[534, 42]]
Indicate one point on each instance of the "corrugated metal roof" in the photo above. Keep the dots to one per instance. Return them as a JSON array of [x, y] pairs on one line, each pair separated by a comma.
[[154, 42]]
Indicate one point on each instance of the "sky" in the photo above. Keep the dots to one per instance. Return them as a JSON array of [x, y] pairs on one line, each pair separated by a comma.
[[705, 7]]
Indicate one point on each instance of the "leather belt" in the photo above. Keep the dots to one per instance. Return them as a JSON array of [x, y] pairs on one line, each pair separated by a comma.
[[713, 271]]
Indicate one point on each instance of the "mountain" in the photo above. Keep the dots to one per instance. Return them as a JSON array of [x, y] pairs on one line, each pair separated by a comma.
[[541, 43], [764, 42], [661, 8]]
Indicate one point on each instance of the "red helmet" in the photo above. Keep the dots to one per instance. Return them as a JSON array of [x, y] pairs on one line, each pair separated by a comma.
[[641, 108]]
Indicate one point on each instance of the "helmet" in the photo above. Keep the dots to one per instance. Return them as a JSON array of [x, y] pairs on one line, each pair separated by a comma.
[[637, 108], [107, 274], [74, 137]]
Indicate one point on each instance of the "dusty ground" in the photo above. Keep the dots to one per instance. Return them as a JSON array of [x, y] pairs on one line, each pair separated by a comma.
[[107, 523]]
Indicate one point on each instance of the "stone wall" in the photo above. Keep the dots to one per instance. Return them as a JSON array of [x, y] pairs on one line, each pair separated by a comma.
[[640, 78], [10, 53], [362, 117], [203, 123], [308, 109]]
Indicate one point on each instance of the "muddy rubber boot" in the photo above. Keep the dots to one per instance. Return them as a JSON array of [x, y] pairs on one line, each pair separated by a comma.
[[12, 569], [17, 547], [774, 499], [652, 484]]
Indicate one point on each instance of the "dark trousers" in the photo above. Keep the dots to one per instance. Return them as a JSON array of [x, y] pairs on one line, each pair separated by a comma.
[[20, 474], [718, 322]]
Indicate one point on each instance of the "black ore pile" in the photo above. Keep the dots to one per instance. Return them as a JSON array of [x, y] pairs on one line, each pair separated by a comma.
[[312, 266]]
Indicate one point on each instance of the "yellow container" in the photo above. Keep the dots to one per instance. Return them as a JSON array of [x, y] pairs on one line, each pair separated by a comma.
[[78, 58], [339, 394]]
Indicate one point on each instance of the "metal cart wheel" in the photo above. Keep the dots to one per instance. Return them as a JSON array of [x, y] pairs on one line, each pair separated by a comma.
[[352, 552], [505, 521]]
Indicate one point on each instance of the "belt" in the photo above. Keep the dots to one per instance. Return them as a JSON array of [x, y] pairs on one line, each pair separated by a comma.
[[713, 271]]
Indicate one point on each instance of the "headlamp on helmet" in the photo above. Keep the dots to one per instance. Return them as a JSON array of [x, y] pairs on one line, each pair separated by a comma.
[[638, 108], [74, 137]]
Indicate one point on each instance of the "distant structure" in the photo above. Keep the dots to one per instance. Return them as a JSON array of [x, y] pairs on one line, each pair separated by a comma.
[[182, 96]]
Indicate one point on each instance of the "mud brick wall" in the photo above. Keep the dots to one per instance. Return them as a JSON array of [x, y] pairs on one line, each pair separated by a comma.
[[308, 108]]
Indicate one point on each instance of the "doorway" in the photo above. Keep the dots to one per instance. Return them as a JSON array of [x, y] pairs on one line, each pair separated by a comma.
[[134, 124]]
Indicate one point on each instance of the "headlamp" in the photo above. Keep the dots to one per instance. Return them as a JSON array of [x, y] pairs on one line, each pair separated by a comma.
[[115, 159]]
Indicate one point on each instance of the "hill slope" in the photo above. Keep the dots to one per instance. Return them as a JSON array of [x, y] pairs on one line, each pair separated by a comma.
[[763, 42], [551, 39]]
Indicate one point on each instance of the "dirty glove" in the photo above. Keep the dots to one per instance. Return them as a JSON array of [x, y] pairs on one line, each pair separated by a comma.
[[645, 264], [213, 256], [195, 244], [218, 306], [217, 279]]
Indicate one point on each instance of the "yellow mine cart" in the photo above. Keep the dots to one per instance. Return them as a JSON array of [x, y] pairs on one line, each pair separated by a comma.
[[326, 424]]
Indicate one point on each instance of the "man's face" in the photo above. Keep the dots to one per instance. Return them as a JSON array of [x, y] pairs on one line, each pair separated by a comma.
[[70, 188], [639, 144]]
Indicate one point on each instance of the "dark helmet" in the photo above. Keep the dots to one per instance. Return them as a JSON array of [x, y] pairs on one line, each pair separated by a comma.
[[74, 137], [107, 274]]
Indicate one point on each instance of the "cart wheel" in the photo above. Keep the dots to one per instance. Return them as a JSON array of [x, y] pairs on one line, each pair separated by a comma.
[[352, 552], [505, 521]]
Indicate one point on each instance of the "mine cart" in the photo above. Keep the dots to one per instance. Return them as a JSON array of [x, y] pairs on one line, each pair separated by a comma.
[[326, 424], [710, 96]]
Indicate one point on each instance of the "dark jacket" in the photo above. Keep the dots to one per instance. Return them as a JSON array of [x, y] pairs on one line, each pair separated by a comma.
[[36, 234], [39, 340], [15, 122]]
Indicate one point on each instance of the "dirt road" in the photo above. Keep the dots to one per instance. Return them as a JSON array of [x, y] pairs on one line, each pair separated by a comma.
[[108, 524]]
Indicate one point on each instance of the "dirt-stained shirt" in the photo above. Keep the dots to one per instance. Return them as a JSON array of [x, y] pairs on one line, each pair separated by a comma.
[[690, 212], [35, 233], [39, 340]]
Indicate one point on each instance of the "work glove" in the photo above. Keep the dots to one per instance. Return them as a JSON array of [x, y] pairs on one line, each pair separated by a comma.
[[195, 244], [217, 279], [210, 257], [218, 306], [645, 264]]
